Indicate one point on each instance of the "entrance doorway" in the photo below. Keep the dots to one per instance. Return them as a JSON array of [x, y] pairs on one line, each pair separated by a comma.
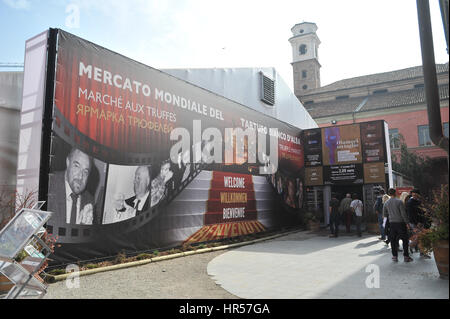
[[341, 191]]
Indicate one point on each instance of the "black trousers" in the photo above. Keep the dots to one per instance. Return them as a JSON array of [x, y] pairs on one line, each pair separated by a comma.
[[399, 231], [334, 223]]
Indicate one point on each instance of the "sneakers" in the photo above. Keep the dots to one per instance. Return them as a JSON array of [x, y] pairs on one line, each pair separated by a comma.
[[394, 258], [407, 259]]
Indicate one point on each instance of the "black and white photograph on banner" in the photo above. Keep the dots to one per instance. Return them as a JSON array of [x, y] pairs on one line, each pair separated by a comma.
[[127, 192], [182, 168], [163, 183], [76, 186]]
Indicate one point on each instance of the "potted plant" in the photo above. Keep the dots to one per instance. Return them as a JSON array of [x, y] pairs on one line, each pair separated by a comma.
[[435, 238]]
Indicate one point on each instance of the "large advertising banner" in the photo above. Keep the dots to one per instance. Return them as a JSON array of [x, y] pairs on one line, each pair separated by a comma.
[[141, 160], [341, 145], [345, 154]]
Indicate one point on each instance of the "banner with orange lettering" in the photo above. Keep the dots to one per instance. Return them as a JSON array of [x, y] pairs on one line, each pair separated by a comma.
[[142, 160]]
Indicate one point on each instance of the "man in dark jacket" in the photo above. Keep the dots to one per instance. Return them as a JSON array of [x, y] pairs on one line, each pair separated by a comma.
[[345, 211], [68, 197], [415, 214], [334, 215], [378, 208]]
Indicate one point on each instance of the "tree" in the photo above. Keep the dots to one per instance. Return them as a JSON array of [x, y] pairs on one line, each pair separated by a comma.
[[416, 167]]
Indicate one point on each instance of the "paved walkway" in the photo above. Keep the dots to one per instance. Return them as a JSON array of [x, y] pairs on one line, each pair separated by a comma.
[[304, 265]]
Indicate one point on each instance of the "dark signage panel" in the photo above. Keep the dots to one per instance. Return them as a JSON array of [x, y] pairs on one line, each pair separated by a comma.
[[313, 176], [372, 138], [343, 174], [374, 173], [313, 147]]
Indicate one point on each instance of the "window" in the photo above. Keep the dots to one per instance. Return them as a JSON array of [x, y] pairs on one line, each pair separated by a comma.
[[380, 91], [424, 135], [267, 90], [342, 97], [445, 129], [304, 87], [418, 86], [304, 74], [394, 138], [61, 231], [302, 49]]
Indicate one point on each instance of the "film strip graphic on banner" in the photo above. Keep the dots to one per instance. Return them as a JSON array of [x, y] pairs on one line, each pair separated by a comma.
[[67, 134]]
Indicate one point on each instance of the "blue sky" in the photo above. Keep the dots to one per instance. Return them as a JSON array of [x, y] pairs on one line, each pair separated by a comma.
[[357, 37]]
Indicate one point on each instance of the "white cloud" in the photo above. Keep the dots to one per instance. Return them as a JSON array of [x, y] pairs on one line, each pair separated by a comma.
[[18, 4]]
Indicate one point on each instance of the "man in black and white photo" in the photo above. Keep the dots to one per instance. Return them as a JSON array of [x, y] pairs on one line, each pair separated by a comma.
[[69, 200], [125, 208], [141, 200], [159, 189]]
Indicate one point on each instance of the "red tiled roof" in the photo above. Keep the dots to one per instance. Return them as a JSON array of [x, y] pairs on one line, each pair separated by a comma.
[[371, 79]]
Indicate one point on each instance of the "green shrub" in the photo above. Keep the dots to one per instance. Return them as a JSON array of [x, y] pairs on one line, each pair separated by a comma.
[[56, 272], [438, 214], [91, 266], [143, 256]]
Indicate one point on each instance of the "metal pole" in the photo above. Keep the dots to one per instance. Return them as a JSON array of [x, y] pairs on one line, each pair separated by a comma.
[[429, 73], [444, 14]]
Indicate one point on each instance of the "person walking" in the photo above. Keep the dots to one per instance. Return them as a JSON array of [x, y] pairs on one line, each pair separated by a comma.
[[334, 215], [416, 217], [378, 208], [386, 224], [357, 208], [345, 211], [404, 197], [399, 222]]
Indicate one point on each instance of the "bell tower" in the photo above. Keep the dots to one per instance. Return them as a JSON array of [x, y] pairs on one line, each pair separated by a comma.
[[305, 57]]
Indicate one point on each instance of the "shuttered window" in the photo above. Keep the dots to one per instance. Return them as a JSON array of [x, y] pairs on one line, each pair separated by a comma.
[[267, 90]]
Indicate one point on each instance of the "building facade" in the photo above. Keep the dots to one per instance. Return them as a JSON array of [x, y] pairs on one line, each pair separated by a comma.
[[10, 104], [397, 97]]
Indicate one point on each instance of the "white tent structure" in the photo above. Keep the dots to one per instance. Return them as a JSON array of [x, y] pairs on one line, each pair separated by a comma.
[[249, 87]]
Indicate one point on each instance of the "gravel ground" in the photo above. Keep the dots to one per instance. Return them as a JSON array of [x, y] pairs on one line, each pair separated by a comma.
[[179, 278]]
